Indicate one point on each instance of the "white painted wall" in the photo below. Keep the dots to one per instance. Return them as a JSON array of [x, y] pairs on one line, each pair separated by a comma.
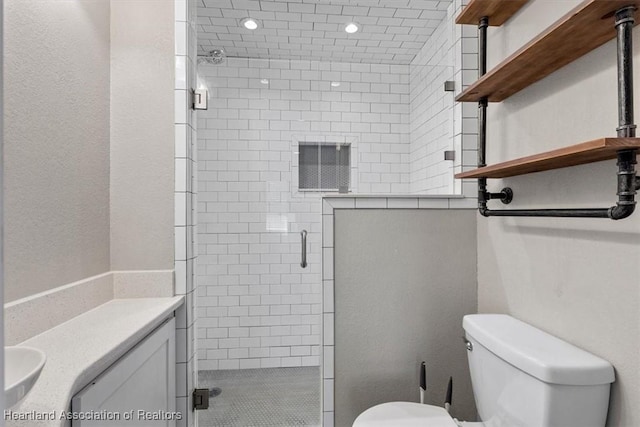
[[56, 152], [88, 163], [89, 107], [575, 278], [142, 134]]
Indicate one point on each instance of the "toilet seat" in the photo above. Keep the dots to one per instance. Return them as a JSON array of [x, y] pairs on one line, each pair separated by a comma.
[[404, 414]]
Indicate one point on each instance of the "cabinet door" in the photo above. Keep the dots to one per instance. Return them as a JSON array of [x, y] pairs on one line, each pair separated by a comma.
[[139, 389]]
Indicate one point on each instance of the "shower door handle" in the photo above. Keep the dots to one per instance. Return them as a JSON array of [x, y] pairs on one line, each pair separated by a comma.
[[303, 262]]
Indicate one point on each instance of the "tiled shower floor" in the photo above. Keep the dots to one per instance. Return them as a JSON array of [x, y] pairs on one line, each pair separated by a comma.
[[274, 397]]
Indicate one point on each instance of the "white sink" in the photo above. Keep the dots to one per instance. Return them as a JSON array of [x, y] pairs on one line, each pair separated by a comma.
[[22, 367]]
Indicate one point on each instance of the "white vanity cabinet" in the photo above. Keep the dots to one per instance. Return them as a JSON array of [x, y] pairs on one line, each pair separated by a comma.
[[137, 390]]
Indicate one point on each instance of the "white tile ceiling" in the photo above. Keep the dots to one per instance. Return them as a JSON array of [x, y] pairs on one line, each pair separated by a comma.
[[392, 31]]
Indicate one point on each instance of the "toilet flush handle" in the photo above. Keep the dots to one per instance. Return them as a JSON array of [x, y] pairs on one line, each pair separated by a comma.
[[468, 344]]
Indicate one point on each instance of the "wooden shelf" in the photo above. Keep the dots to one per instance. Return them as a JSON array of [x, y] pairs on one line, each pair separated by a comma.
[[587, 152], [586, 27], [498, 11]]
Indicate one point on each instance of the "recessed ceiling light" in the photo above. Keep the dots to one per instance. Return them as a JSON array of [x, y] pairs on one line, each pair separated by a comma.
[[249, 23], [264, 81], [335, 84], [351, 28]]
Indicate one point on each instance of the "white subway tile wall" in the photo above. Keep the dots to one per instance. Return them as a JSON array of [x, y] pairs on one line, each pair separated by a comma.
[[465, 132], [432, 113], [438, 123], [257, 306], [185, 203]]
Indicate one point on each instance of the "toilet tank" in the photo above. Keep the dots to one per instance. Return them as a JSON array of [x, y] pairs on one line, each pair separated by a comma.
[[524, 377]]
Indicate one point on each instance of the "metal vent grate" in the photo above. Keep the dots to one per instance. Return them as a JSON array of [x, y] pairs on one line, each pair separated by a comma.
[[324, 167]]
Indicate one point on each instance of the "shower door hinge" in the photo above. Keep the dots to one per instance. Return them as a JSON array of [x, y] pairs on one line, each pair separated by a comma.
[[200, 399], [200, 99]]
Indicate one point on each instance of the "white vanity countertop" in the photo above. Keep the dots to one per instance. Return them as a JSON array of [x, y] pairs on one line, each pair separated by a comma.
[[82, 348]]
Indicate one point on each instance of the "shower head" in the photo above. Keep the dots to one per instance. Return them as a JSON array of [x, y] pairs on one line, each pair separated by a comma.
[[214, 57]]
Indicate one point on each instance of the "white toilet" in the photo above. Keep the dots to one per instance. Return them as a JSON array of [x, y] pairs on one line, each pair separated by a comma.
[[521, 376]]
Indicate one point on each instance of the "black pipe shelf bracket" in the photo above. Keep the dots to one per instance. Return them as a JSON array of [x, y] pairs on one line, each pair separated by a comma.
[[628, 182]]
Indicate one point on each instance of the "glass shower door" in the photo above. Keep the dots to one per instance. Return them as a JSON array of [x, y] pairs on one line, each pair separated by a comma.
[[259, 309]]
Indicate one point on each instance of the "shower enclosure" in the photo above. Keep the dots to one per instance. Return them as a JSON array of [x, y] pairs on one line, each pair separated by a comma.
[[299, 108], [279, 134], [259, 265]]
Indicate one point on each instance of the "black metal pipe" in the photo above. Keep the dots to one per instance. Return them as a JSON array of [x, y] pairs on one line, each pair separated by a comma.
[[482, 133], [624, 27], [626, 185], [558, 213], [482, 104], [506, 195], [624, 207], [628, 182], [482, 45], [483, 194]]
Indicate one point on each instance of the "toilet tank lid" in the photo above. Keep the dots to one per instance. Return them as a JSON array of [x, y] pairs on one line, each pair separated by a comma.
[[536, 352]]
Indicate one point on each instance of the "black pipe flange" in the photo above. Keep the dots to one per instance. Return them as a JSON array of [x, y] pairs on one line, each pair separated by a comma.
[[507, 195]]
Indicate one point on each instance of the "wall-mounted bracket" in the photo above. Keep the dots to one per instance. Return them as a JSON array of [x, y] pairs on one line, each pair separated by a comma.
[[627, 180], [200, 399], [200, 99], [505, 195]]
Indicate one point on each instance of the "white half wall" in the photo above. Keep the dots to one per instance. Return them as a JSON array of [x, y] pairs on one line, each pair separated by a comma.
[[403, 281]]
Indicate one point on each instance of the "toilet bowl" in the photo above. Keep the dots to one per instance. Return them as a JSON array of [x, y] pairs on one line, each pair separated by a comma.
[[404, 414], [521, 376]]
